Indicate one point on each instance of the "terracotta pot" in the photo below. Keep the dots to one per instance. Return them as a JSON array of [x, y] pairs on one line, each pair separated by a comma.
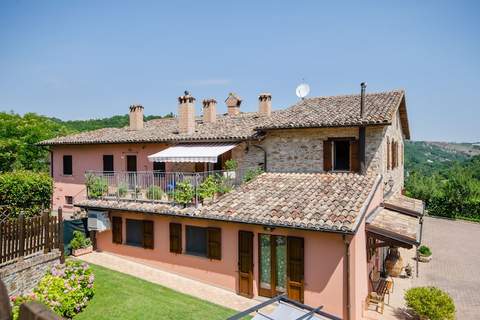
[[394, 262], [423, 258], [82, 251]]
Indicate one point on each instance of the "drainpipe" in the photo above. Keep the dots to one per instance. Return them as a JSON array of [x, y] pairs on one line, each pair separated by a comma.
[[347, 267]]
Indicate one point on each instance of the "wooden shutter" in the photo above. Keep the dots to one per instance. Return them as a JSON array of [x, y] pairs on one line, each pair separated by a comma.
[[327, 155], [148, 234], [295, 268], [175, 237], [117, 230], [354, 156], [214, 243], [388, 154], [245, 263], [394, 155]]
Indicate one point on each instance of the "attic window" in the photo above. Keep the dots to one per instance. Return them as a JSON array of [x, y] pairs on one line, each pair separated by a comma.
[[341, 155]]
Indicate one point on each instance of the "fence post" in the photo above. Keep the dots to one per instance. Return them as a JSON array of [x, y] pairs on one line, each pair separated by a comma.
[[46, 233], [60, 235], [21, 234]]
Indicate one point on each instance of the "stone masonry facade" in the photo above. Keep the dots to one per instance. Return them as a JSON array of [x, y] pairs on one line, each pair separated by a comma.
[[22, 276]]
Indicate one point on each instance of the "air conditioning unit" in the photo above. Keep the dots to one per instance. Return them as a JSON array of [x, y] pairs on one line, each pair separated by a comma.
[[98, 220]]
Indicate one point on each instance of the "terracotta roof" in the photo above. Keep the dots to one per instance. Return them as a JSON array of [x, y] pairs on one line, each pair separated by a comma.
[[404, 204], [225, 128], [339, 111], [313, 201], [335, 111], [396, 225]]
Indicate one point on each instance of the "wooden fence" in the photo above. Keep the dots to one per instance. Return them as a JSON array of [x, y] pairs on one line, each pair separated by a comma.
[[22, 237]]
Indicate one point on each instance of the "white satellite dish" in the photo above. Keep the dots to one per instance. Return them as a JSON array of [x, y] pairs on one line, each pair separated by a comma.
[[303, 90]]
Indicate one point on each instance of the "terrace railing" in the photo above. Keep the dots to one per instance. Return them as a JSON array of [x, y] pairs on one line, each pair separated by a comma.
[[183, 188]]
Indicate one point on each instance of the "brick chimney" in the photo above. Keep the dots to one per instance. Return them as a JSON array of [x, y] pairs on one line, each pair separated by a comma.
[[136, 117], [233, 102], [209, 110], [265, 104], [186, 113]]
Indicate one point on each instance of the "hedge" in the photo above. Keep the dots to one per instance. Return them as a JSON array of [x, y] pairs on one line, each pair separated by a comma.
[[25, 191]]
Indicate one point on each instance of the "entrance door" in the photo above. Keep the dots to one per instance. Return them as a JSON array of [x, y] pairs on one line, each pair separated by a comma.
[[132, 171], [245, 263], [272, 257], [295, 268]]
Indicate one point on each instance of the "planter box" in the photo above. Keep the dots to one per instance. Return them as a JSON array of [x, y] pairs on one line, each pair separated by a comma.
[[423, 258], [82, 251]]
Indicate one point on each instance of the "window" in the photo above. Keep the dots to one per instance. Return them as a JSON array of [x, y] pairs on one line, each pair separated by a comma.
[[69, 200], [196, 241], [67, 165], [108, 163], [117, 230], [341, 155], [204, 242], [175, 237], [221, 159], [159, 166], [140, 233]]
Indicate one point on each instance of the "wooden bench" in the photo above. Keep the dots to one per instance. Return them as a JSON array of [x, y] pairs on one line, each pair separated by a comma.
[[380, 288]]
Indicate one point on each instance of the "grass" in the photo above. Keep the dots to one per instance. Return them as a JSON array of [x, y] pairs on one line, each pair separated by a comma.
[[120, 296]]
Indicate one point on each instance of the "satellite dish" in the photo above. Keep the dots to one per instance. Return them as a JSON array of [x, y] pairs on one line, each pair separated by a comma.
[[303, 90]]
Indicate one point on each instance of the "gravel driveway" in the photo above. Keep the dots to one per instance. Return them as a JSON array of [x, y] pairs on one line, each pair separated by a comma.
[[455, 266]]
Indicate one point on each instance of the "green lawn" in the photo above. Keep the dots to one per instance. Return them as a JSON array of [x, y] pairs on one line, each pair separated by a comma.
[[120, 296]]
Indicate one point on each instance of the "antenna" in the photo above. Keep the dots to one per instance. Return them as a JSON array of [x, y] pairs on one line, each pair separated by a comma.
[[302, 90]]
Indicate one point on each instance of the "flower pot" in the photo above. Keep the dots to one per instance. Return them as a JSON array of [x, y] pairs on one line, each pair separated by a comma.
[[394, 262], [229, 174], [424, 258], [82, 251]]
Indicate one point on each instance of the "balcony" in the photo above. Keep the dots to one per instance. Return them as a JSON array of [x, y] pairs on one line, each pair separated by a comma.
[[175, 188]]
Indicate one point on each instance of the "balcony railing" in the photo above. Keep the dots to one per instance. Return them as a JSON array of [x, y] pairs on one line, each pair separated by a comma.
[[177, 188]]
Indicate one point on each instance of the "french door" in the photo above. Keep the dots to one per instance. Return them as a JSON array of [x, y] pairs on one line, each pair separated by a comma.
[[281, 266], [245, 263]]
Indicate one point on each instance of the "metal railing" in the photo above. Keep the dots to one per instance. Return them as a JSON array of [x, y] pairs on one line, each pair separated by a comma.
[[183, 188]]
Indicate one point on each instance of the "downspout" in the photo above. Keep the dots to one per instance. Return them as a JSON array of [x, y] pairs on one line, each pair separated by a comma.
[[347, 267], [51, 175]]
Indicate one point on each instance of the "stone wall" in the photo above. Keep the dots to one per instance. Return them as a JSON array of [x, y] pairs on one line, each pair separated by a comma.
[[394, 178], [22, 276]]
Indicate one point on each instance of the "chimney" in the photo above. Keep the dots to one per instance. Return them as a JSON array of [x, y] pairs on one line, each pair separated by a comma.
[[233, 102], [363, 86], [136, 117], [265, 104], [209, 110], [186, 113]]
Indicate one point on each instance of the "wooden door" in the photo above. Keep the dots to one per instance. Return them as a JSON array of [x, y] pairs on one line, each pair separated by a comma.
[[245, 263], [131, 163], [295, 268]]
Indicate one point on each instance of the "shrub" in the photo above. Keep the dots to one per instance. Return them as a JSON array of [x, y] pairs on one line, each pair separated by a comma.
[[424, 250], [122, 190], [231, 165], [25, 191], [223, 184], [430, 302], [96, 186], [184, 193], [252, 173], [66, 289], [79, 241], [154, 193], [208, 188]]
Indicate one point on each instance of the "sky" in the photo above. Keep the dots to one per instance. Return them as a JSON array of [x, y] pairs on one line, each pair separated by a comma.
[[92, 59]]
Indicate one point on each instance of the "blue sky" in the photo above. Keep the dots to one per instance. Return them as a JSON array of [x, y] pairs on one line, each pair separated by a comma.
[[90, 59]]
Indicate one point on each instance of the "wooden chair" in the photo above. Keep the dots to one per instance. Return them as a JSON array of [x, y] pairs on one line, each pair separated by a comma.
[[379, 290]]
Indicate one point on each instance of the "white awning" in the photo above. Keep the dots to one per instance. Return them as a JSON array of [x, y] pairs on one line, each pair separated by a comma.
[[208, 152]]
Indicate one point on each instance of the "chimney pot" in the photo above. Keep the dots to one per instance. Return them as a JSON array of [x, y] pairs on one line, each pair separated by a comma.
[[136, 117], [265, 104], [209, 110], [233, 102], [186, 113]]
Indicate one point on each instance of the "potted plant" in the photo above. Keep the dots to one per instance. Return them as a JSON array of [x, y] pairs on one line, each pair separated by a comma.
[[154, 193], [207, 189], [184, 193], [409, 270], [424, 254], [122, 190], [230, 167], [80, 244], [251, 174]]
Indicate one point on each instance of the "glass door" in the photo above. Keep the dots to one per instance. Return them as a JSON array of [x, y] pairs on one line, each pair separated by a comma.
[[272, 252]]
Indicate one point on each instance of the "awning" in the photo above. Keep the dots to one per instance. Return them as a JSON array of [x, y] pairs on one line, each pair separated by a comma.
[[208, 152]]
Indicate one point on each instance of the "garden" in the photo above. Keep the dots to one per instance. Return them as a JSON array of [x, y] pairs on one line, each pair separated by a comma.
[[81, 291]]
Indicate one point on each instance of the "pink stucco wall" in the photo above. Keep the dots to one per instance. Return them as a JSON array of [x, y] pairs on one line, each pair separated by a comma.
[[324, 258], [359, 282]]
